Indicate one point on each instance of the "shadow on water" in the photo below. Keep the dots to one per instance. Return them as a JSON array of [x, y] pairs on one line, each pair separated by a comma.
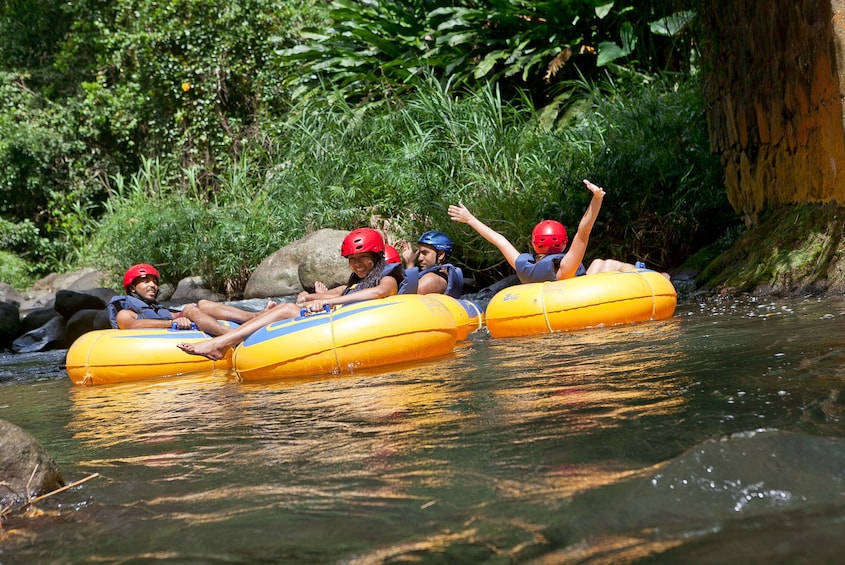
[[714, 436]]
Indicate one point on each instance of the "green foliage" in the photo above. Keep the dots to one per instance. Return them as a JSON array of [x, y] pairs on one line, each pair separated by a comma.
[[15, 271], [183, 77], [44, 169], [135, 130], [366, 49], [398, 167], [666, 198], [184, 233], [371, 49], [90, 88], [31, 32]]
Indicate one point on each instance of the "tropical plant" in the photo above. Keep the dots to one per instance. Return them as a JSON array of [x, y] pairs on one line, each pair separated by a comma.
[[399, 166], [667, 198], [372, 48], [90, 88]]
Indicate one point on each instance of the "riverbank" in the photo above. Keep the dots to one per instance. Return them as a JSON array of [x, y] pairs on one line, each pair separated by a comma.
[[793, 250]]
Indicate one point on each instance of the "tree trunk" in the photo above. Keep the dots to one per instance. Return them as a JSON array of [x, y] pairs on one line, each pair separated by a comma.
[[772, 83]]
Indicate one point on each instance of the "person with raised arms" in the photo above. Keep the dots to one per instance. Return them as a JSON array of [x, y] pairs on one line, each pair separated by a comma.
[[549, 239]]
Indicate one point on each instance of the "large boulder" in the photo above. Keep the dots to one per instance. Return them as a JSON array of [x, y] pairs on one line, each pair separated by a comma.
[[26, 468], [193, 289], [49, 336], [69, 302], [9, 294], [86, 278], [89, 279], [36, 299], [165, 291], [37, 318], [103, 293], [10, 323], [85, 321], [298, 265], [45, 283]]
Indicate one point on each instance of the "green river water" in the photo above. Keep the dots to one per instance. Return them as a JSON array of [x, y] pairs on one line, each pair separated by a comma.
[[716, 436]]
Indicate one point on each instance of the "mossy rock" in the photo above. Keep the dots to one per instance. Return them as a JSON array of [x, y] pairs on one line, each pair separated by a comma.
[[795, 249]]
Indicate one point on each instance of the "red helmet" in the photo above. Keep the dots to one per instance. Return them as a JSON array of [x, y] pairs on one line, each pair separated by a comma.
[[548, 237], [138, 271], [360, 241], [391, 255]]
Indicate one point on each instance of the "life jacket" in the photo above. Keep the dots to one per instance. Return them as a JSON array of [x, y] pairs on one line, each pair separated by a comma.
[[145, 311], [454, 279], [529, 270], [390, 270]]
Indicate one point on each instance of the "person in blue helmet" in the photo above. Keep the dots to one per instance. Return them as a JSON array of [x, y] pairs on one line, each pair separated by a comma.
[[434, 275], [549, 239]]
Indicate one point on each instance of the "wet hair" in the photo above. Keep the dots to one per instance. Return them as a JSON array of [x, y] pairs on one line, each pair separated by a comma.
[[373, 278]]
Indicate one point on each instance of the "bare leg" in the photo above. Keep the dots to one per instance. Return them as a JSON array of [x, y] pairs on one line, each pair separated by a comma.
[[216, 347], [205, 322], [225, 312], [605, 265]]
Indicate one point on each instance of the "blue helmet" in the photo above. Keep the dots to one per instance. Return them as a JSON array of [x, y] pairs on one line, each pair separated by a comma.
[[438, 240]]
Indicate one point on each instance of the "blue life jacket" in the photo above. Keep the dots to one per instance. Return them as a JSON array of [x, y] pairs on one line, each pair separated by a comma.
[[529, 270], [145, 311], [454, 279]]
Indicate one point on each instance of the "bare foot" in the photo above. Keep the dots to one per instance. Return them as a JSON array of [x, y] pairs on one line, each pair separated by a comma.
[[668, 278], [270, 305], [203, 348]]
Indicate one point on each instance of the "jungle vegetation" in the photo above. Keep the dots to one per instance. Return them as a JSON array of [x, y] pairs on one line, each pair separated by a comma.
[[202, 135]]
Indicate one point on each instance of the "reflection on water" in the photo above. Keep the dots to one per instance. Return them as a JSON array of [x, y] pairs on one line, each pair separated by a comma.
[[720, 428]]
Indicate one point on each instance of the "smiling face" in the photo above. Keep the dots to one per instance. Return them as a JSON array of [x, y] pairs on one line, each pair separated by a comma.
[[146, 287], [427, 256], [361, 263]]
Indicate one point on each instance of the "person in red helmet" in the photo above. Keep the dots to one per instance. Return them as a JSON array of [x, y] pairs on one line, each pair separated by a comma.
[[363, 248], [391, 255], [138, 308], [549, 239]]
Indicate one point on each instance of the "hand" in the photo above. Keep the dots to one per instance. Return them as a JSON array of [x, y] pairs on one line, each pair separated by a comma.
[[598, 192], [409, 258], [301, 298], [182, 323], [315, 306], [460, 213]]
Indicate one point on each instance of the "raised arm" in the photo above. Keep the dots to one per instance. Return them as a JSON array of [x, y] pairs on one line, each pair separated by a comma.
[[461, 214], [409, 257], [575, 254]]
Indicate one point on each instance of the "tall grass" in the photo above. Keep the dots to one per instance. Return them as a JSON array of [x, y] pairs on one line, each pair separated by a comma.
[[398, 167]]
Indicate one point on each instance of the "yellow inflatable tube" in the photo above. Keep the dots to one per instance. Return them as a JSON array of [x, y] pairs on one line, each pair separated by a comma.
[[353, 337], [602, 299], [468, 316], [116, 356]]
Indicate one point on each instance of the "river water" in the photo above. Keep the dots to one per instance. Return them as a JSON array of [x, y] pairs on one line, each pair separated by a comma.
[[716, 436]]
